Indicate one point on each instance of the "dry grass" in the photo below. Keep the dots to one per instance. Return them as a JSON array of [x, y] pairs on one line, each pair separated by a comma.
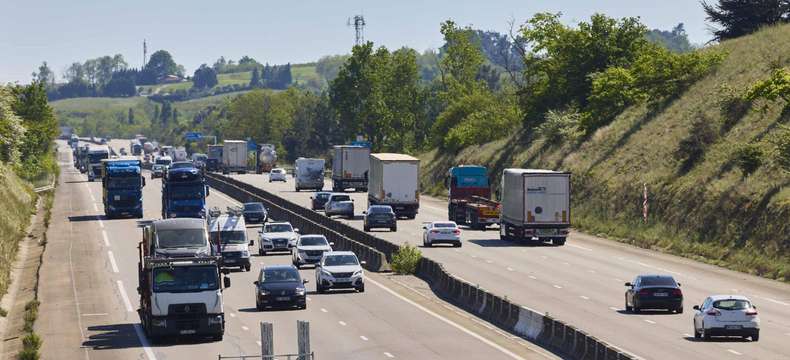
[[15, 210]]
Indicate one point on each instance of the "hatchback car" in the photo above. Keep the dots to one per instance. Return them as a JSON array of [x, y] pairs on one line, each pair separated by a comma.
[[276, 236], [441, 232], [158, 170], [280, 286], [309, 249], [380, 216], [318, 200], [277, 174], [254, 213], [653, 292], [339, 204], [339, 270], [726, 315]]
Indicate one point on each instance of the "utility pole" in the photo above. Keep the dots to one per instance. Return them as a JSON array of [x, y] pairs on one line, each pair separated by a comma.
[[359, 27], [145, 53]]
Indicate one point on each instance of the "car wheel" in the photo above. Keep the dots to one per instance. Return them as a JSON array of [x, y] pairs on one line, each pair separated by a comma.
[[458, 244], [361, 288], [756, 337], [679, 310], [636, 309], [297, 189], [394, 228], [247, 267], [705, 335], [628, 308], [697, 334], [260, 252], [320, 289], [366, 229]]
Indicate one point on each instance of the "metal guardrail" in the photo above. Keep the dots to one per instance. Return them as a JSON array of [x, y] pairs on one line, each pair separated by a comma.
[[310, 356]]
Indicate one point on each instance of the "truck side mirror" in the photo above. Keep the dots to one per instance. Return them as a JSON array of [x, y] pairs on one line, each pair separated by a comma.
[[207, 192], [252, 242], [331, 244], [143, 180], [629, 284], [226, 282]]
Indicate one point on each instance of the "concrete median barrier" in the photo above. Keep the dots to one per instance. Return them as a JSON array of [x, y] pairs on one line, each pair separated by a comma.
[[529, 324]]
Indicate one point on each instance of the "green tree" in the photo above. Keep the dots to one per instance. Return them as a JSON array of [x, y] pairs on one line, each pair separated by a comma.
[[329, 66], [741, 17], [462, 58], [161, 64], [45, 75], [204, 78], [12, 130], [41, 127], [255, 81], [675, 40]]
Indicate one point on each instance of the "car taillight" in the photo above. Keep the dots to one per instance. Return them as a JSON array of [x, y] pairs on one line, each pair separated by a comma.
[[714, 312], [644, 292], [457, 232], [677, 292], [751, 312], [435, 231]]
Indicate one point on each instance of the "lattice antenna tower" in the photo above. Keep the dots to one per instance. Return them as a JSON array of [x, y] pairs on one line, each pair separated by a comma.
[[359, 27]]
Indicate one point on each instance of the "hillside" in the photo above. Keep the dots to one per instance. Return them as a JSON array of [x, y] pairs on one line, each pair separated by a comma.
[[701, 204], [304, 74], [15, 210]]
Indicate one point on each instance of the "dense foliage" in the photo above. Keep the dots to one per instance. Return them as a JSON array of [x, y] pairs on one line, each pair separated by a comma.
[[204, 77], [741, 17], [27, 129]]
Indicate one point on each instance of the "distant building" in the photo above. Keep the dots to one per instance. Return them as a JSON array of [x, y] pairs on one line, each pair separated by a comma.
[[170, 79]]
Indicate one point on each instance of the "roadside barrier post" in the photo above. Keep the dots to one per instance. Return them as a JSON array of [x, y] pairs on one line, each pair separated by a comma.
[[303, 339], [267, 341]]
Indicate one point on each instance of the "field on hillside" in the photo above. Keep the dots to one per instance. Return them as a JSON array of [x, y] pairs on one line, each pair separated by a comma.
[[301, 73], [701, 204]]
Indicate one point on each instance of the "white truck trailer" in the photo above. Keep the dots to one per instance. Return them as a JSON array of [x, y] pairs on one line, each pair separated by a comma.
[[309, 174], [350, 166], [536, 205], [394, 180], [234, 156]]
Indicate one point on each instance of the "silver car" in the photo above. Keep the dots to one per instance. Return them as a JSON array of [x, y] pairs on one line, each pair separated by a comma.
[[339, 204]]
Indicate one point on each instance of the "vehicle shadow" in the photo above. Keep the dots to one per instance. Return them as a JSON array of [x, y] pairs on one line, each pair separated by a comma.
[[109, 337], [75, 181], [279, 308], [502, 243], [717, 339], [646, 312], [79, 218]]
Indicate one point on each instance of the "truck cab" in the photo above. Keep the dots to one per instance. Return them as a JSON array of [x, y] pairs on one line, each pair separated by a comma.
[[176, 238], [96, 153], [184, 192], [122, 187], [469, 200]]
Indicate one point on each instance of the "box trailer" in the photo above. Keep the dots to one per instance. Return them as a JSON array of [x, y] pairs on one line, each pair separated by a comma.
[[350, 166], [309, 174], [536, 205], [234, 156], [394, 180]]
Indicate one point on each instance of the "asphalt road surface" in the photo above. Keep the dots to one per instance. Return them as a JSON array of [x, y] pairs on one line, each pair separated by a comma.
[[582, 283], [89, 299]]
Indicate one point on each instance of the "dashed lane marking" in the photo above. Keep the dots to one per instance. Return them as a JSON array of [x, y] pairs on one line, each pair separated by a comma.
[[533, 277], [650, 321], [245, 328], [579, 247], [101, 224], [144, 342], [106, 239], [96, 314], [258, 342], [734, 352], [490, 261], [112, 262], [323, 310], [774, 301], [510, 269], [124, 296], [342, 323], [363, 338], [557, 286], [584, 297], [613, 308], [389, 355], [232, 315]]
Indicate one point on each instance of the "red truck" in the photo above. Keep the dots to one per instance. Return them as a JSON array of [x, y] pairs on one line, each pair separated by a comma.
[[470, 197]]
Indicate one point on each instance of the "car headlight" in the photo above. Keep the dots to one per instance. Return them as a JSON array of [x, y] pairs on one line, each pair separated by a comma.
[[265, 292], [245, 253], [215, 320], [111, 207], [358, 273], [266, 240], [300, 291], [172, 215], [158, 322]]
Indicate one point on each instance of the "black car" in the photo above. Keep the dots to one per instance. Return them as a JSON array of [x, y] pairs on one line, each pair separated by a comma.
[[254, 212], [280, 286], [319, 200], [653, 292], [380, 216]]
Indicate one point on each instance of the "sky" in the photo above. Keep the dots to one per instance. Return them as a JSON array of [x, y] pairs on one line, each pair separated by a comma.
[[296, 31]]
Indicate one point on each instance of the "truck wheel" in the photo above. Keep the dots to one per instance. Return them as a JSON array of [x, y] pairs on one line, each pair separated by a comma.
[[394, 228], [476, 222], [361, 288], [366, 229], [558, 241], [297, 189], [217, 337]]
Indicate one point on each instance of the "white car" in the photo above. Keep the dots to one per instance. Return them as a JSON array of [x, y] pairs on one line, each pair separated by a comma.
[[339, 270], [726, 315], [276, 236], [277, 174], [441, 232], [310, 249]]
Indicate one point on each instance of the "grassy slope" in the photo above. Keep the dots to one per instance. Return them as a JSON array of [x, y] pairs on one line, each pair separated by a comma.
[[15, 211], [710, 212], [301, 73]]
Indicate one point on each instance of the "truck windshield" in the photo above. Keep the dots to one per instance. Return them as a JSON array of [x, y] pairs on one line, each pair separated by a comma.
[[186, 279], [229, 237], [123, 182], [186, 192], [97, 157], [163, 161], [183, 238]]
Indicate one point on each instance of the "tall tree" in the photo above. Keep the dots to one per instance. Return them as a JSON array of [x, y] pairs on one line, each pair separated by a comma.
[[204, 78], [38, 118], [675, 40], [740, 17], [255, 81], [45, 75], [162, 64]]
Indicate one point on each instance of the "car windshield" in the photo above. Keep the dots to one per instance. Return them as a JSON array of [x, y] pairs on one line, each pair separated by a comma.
[[380, 210], [277, 171], [186, 192], [186, 279], [229, 237], [181, 238], [337, 198], [98, 157], [280, 275], [732, 304], [658, 281], [340, 260], [444, 225], [163, 161], [253, 207], [312, 241], [181, 165], [278, 228], [123, 182], [322, 196]]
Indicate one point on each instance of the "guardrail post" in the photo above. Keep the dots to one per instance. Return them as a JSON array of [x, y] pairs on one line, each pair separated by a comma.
[[303, 339], [267, 341]]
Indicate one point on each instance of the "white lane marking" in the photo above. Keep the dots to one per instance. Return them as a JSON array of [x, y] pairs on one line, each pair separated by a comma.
[[773, 300], [95, 208], [474, 256], [532, 277], [323, 310], [447, 321], [618, 280], [557, 286], [613, 308], [101, 224], [510, 269], [91, 194], [565, 263], [258, 342], [309, 298], [126, 302], [490, 261], [234, 202], [584, 297], [232, 315], [687, 335], [363, 338], [734, 352], [106, 239], [579, 247], [389, 355], [96, 314], [245, 328], [591, 271], [144, 342], [544, 257], [112, 262], [342, 323], [650, 321]]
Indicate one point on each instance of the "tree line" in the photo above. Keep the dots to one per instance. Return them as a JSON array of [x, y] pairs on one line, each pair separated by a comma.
[[27, 130]]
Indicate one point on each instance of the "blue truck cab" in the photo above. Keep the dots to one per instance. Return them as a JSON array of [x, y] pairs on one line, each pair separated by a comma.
[[122, 187], [184, 192]]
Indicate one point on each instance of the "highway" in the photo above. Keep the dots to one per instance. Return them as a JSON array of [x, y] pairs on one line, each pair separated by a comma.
[[89, 299], [582, 283]]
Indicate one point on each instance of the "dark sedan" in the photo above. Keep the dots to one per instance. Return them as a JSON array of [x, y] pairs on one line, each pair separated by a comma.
[[380, 216], [254, 213], [653, 292], [280, 286], [318, 201]]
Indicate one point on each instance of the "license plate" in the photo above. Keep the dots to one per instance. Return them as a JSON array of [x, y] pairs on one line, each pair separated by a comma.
[[342, 280], [661, 294], [732, 327], [283, 298], [547, 232], [187, 332], [230, 261], [117, 197]]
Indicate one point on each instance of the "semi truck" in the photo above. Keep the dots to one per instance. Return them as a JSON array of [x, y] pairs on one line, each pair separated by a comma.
[[180, 154], [266, 158], [136, 147], [214, 157], [184, 192], [536, 205], [96, 153], [234, 156], [394, 181], [469, 200], [309, 174], [122, 187], [350, 166], [179, 295]]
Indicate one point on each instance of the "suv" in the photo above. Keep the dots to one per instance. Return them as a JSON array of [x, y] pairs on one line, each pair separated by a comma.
[[277, 174], [254, 213], [653, 292], [280, 286], [276, 236], [339, 204], [309, 249], [380, 216], [339, 270], [318, 201], [230, 231]]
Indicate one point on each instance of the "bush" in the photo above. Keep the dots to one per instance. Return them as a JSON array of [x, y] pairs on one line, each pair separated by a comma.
[[748, 157], [32, 341], [561, 126], [28, 354], [773, 88], [733, 105], [781, 143], [405, 260]]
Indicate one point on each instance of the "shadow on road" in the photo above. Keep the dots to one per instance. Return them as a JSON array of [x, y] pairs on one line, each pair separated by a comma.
[[646, 312], [86, 218], [717, 339], [502, 243], [76, 181], [109, 337]]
